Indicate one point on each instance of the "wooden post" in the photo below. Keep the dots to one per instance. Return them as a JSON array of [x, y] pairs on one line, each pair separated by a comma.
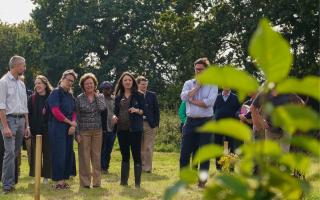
[[38, 167], [225, 148]]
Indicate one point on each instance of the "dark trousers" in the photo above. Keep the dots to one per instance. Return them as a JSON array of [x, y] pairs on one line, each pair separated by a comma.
[[46, 156], [129, 140], [107, 146], [192, 141]]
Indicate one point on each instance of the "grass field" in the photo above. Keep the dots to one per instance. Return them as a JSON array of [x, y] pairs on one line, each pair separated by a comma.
[[153, 185]]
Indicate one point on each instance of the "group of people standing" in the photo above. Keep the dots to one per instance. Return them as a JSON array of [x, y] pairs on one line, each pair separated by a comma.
[[202, 103], [94, 118], [100, 114]]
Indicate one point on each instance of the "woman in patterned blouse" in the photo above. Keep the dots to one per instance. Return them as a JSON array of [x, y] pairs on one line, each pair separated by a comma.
[[89, 106]]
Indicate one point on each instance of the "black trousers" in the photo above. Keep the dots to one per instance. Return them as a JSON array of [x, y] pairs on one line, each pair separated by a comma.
[[192, 141], [130, 140], [46, 156]]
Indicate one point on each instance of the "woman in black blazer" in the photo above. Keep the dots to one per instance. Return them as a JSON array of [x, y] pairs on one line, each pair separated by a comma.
[[129, 108]]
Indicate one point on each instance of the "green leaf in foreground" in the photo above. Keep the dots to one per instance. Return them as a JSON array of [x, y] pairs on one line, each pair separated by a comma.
[[296, 161], [271, 52], [236, 184], [173, 190], [228, 127], [207, 152], [309, 86], [229, 77], [307, 143], [188, 175], [295, 117]]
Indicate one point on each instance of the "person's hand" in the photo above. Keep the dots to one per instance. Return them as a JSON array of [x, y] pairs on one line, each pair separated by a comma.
[[73, 124], [242, 118], [96, 94], [27, 132], [78, 139], [72, 130], [114, 119], [265, 125], [133, 110], [7, 132]]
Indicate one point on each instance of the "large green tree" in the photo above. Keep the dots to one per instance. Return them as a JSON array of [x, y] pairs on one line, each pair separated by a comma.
[[106, 37], [161, 39], [21, 39], [221, 31]]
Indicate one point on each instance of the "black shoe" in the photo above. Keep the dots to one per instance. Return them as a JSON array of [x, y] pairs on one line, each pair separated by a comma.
[[86, 187], [104, 171], [137, 175], [6, 191], [125, 167], [202, 184]]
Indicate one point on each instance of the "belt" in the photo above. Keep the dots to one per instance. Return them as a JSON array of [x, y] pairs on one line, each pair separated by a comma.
[[16, 115], [199, 118]]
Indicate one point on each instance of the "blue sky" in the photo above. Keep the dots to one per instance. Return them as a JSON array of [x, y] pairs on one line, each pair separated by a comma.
[[14, 11]]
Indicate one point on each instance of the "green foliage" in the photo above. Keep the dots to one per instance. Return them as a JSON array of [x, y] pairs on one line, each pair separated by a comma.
[[235, 129], [296, 161], [225, 76], [298, 86], [294, 118], [168, 136], [189, 176], [274, 58], [263, 170], [235, 183], [206, 153], [310, 145], [21, 39]]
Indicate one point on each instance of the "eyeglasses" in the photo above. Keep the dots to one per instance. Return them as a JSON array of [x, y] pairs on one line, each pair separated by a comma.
[[199, 69], [70, 80]]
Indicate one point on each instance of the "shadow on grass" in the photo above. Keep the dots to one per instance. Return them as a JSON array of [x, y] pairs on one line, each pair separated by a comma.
[[153, 177], [111, 177], [134, 193], [92, 192], [314, 177], [45, 189]]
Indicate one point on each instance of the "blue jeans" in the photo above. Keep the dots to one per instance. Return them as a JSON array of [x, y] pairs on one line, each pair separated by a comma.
[[107, 146], [12, 147], [192, 141]]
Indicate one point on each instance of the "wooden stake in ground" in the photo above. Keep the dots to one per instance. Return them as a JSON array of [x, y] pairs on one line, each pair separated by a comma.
[[38, 167], [225, 148]]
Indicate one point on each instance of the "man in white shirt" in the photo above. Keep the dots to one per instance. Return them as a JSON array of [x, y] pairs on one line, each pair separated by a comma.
[[14, 118], [199, 108]]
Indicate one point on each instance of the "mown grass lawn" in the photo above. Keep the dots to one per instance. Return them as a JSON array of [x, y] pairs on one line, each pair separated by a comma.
[[153, 185]]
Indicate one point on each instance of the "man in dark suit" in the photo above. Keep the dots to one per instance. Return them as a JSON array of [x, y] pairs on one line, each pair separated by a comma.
[[226, 106], [151, 119]]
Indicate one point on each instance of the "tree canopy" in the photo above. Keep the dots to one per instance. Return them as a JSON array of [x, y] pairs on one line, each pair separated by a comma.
[[158, 39]]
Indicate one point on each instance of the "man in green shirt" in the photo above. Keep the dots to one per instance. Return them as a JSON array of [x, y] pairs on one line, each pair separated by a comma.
[[182, 114]]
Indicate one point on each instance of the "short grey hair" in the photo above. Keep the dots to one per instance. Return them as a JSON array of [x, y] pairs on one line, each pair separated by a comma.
[[16, 59]]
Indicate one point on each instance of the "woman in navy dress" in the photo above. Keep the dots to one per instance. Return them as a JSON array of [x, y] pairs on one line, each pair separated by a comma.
[[62, 125]]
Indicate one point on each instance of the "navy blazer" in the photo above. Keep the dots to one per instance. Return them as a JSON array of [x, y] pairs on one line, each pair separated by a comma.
[[136, 120], [152, 111]]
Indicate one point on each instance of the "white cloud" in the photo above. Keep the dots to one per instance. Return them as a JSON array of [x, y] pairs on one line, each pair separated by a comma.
[[14, 11]]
